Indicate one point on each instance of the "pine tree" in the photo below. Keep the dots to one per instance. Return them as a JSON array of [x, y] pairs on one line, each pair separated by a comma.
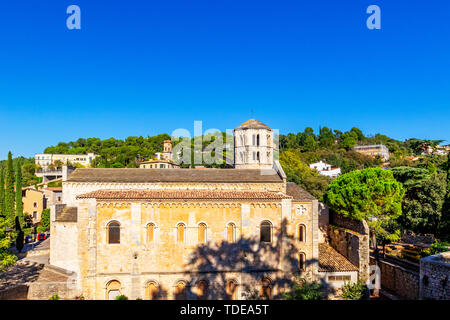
[[19, 207], [2, 193], [9, 192]]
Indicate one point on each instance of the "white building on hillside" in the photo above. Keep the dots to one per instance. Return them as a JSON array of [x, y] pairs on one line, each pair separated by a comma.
[[325, 169]]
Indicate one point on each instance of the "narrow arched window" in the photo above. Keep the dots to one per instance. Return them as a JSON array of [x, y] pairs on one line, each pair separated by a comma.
[[266, 231], [180, 232], [257, 156], [113, 289], [180, 291], [301, 233], [231, 290], [151, 291], [202, 233], [266, 288], [257, 140], [253, 140], [113, 232], [150, 232], [202, 290], [231, 232], [302, 261]]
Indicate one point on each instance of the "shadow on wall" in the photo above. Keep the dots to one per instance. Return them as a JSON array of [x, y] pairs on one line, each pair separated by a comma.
[[264, 268]]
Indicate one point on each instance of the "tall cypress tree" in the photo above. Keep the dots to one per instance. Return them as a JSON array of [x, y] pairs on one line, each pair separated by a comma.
[[2, 193], [9, 192], [19, 207]]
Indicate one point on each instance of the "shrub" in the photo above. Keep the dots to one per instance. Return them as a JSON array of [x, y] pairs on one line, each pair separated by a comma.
[[54, 297], [303, 290], [122, 297], [353, 291]]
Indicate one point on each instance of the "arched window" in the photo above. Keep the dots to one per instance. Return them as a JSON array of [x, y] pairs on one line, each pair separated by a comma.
[[151, 291], [180, 291], [301, 233], [150, 232], [113, 232], [253, 140], [231, 290], [202, 290], [257, 156], [231, 232], [257, 139], [302, 261], [266, 288], [180, 232], [202, 233], [113, 289], [266, 231]]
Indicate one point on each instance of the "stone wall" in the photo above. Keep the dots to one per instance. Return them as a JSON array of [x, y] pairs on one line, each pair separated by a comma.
[[434, 277], [400, 281], [412, 238], [351, 239]]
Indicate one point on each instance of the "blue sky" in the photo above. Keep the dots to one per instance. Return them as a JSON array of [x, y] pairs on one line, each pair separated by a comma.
[[148, 67]]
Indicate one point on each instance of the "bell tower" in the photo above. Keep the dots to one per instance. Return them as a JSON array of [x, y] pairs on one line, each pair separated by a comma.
[[253, 146]]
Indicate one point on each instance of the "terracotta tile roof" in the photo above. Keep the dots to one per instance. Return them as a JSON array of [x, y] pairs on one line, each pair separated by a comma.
[[69, 214], [182, 194], [138, 175], [332, 261], [297, 193], [253, 124]]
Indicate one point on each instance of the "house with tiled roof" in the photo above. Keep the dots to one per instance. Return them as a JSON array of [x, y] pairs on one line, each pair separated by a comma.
[[188, 233]]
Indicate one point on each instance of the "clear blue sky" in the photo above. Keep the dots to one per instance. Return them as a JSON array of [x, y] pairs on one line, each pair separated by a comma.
[[148, 67]]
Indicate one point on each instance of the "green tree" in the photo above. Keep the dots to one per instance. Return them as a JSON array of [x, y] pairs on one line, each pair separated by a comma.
[[354, 291], [371, 194], [45, 221], [2, 193], [19, 207], [304, 290], [6, 257], [424, 199], [299, 172], [9, 192], [348, 140], [20, 235]]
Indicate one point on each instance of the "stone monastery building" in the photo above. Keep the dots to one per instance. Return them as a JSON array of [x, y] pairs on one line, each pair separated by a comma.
[[192, 234]]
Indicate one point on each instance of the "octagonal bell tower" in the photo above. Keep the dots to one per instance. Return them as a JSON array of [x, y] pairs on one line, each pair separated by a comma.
[[253, 146]]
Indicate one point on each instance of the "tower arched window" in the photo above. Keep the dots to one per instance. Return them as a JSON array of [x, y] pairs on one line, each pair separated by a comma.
[[180, 232], [113, 233], [202, 290], [257, 156], [302, 261], [301, 233], [257, 139], [231, 232], [180, 291], [113, 289], [266, 232], [266, 288], [202, 233], [231, 290], [150, 232], [151, 291]]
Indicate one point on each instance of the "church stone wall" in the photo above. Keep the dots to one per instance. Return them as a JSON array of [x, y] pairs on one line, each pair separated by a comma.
[[134, 262]]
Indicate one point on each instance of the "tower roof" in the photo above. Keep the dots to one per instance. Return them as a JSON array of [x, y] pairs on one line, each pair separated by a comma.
[[253, 124]]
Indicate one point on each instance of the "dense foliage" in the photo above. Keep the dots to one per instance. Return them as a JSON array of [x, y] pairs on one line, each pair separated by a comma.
[[304, 290], [424, 199], [371, 194], [354, 291]]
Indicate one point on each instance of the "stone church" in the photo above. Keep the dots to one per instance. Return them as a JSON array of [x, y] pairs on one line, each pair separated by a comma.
[[193, 234]]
